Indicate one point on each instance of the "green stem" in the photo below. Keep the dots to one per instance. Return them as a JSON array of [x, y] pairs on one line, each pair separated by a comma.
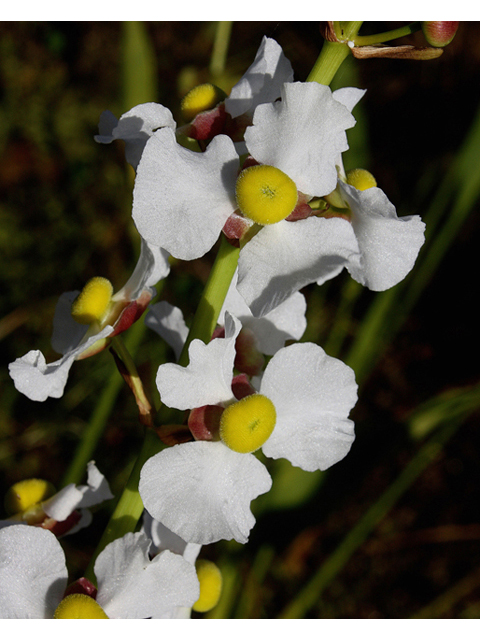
[[332, 55], [211, 302], [386, 36]]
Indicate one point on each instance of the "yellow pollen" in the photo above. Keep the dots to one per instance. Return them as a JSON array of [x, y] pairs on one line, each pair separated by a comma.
[[361, 179], [248, 423], [27, 493], [92, 302], [210, 579], [79, 605], [201, 98], [265, 194]]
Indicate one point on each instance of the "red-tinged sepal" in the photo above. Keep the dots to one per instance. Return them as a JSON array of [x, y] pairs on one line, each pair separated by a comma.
[[204, 422], [242, 387], [82, 585], [302, 210], [236, 228], [248, 358], [60, 528], [207, 124]]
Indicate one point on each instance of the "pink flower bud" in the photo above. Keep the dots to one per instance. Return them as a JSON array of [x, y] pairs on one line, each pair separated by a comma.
[[439, 34]]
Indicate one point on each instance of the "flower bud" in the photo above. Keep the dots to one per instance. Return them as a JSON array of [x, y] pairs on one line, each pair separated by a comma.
[[439, 34]]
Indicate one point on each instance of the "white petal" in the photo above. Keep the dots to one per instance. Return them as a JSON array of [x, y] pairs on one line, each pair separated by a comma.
[[132, 586], [263, 80], [313, 394], [33, 575], [208, 377], [164, 539], [96, 490], [63, 503], [182, 199], [67, 333], [202, 490], [285, 322], [72, 497], [302, 135], [284, 257], [349, 96], [234, 303], [389, 245], [38, 380], [168, 322], [134, 127], [152, 266]]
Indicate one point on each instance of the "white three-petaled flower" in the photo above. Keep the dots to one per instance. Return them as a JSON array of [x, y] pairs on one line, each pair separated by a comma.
[[37, 379], [202, 490]]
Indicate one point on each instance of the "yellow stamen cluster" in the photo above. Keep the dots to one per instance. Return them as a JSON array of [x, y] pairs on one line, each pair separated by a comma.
[[25, 494], [200, 98], [79, 605], [92, 302], [210, 579], [265, 194], [361, 179], [247, 424]]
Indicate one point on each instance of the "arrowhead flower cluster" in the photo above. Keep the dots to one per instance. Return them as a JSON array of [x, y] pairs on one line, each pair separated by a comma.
[[268, 178]]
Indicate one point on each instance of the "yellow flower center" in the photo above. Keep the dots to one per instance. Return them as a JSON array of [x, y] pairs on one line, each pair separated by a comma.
[[210, 579], [79, 605], [361, 179], [27, 493], [199, 99], [248, 423], [92, 302], [265, 194]]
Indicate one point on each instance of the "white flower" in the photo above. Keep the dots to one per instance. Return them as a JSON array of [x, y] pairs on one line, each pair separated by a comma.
[[55, 513], [33, 576], [38, 380], [183, 199], [312, 395]]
